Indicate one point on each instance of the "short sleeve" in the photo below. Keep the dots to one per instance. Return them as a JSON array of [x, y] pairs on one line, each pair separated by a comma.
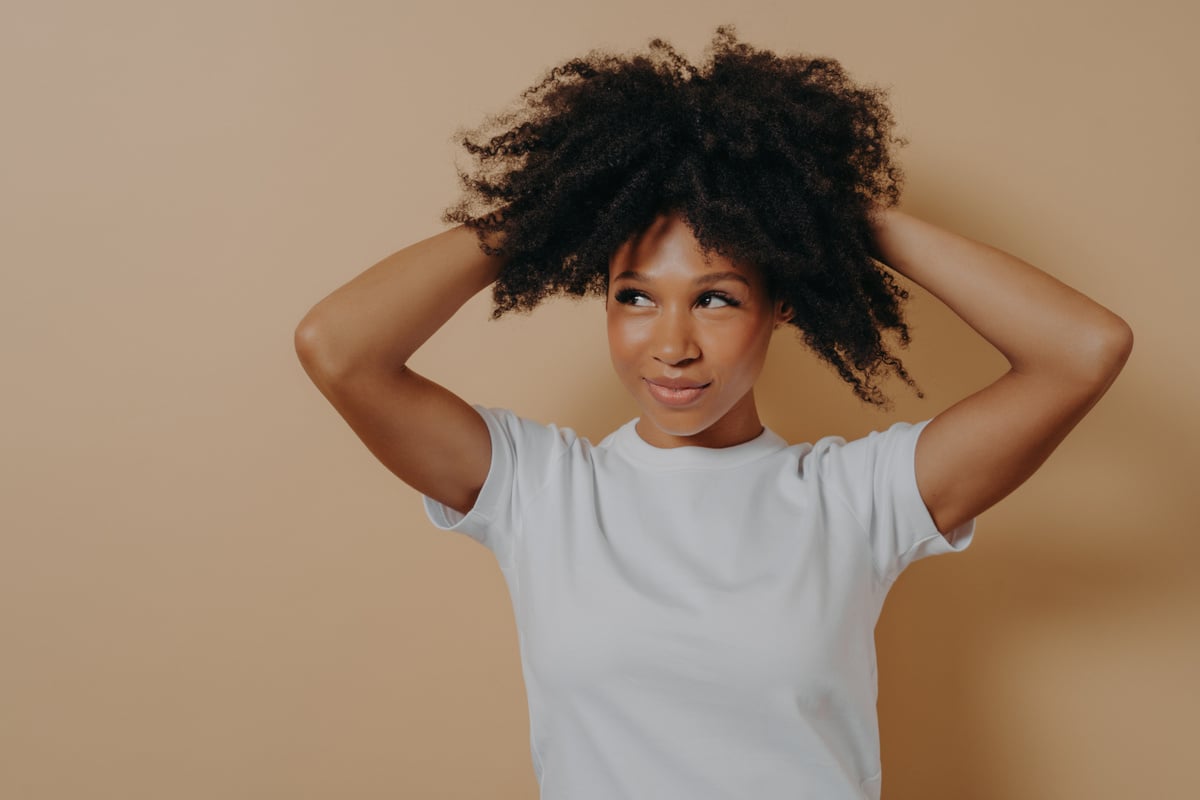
[[876, 478], [523, 455]]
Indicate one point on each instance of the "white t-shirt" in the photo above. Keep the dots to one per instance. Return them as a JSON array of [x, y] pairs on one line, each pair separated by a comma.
[[699, 622]]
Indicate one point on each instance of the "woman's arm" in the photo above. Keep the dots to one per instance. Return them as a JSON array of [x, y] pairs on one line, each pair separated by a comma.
[[1065, 350], [355, 344], [379, 318]]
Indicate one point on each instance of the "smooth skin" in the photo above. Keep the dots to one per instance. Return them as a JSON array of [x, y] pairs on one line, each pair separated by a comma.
[[665, 319], [672, 316]]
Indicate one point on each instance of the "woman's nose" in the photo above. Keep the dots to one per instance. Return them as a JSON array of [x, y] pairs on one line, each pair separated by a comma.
[[674, 339]]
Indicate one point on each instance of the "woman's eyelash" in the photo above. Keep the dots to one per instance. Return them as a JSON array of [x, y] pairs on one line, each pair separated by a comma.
[[625, 295], [722, 296]]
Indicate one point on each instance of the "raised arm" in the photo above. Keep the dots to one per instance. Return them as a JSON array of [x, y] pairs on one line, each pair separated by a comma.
[[355, 345], [1065, 350]]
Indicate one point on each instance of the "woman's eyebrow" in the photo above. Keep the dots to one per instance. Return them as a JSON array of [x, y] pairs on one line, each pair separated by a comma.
[[705, 279]]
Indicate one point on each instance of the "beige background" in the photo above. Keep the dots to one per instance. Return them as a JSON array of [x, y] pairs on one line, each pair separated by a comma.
[[210, 589]]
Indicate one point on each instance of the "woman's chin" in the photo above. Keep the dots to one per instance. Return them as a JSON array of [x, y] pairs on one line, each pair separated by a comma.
[[676, 423]]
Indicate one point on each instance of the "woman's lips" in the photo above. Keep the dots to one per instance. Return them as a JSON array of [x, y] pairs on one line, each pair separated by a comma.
[[675, 397]]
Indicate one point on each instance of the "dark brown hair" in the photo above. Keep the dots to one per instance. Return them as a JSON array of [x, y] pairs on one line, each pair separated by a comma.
[[772, 160]]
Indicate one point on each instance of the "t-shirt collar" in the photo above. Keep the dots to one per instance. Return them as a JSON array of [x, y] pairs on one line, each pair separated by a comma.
[[630, 444]]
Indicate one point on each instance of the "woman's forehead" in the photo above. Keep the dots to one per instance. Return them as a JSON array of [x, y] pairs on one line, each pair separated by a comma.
[[668, 248]]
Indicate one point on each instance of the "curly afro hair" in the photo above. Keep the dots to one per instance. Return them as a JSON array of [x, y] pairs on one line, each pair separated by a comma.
[[775, 161]]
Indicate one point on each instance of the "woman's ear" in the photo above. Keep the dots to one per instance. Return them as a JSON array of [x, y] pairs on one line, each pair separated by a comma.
[[783, 312]]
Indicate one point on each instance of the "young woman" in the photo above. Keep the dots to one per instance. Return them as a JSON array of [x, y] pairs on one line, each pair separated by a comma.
[[696, 597]]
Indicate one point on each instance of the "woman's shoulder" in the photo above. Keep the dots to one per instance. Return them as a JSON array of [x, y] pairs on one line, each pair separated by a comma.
[[525, 432]]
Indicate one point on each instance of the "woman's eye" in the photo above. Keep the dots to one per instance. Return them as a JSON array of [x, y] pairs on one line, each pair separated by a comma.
[[628, 296], [721, 300], [636, 298]]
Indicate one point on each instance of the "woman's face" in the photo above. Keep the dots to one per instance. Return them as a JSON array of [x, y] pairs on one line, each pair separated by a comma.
[[688, 339]]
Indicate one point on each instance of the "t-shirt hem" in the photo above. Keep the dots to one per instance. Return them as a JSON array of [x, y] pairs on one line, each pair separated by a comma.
[[474, 523], [928, 538], [956, 539]]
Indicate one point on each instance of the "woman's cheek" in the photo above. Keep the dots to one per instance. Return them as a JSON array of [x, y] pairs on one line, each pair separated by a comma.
[[628, 335], [622, 341]]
